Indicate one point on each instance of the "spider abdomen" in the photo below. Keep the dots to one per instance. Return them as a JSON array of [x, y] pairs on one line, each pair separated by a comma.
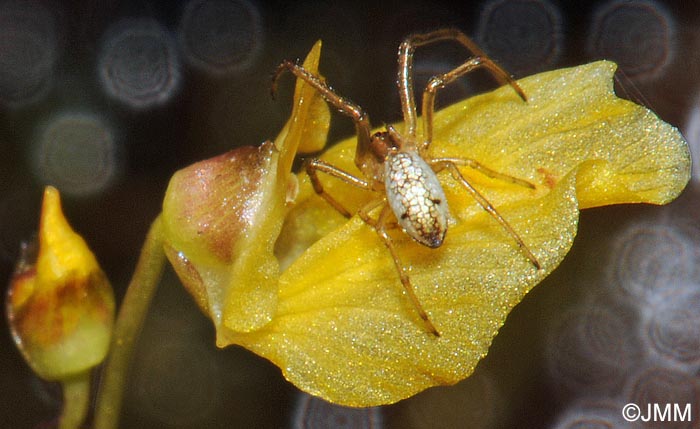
[[416, 197]]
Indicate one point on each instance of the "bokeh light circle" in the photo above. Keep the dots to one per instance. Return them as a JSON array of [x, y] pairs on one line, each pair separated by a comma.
[[77, 153], [28, 53], [524, 36], [221, 36], [602, 413], [672, 326], [638, 35], [590, 348], [139, 64], [649, 257], [661, 386]]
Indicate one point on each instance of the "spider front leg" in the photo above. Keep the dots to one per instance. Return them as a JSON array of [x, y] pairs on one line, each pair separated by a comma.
[[364, 158], [440, 81], [315, 165], [440, 164], [379, 226], [405, 74]]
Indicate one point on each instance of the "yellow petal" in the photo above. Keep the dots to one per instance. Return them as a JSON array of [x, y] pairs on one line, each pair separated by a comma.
[[307, 127], [345, 331], [62, 252], [572, 116], [311, 117]]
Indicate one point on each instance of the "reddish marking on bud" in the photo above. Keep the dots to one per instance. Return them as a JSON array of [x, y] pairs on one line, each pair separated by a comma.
[[60, 304], [214, 199]]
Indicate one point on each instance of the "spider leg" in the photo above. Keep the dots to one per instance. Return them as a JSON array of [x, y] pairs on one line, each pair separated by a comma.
[[486, 205], [363, 154], [440, 81], [476, 165], [405, 73], [315, 165], [379, 226]]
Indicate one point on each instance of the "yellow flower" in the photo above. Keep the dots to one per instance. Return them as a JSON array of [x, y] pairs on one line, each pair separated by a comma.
[[281, 273], [222, 217], [60, 308]]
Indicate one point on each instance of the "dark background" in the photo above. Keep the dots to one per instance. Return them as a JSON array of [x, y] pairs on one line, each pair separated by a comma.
[[110, 122]]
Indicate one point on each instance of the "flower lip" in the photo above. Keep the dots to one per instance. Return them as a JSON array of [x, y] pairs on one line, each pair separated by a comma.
[[341, 293]]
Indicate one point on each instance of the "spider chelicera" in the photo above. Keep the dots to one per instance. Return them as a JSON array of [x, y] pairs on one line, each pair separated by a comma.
[[396, 165]]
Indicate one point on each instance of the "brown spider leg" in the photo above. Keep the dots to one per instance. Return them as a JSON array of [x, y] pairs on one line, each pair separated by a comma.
[[379, 227], [440, 81], [486, 205], [314, 165], [405, 72], [342, 105], [476, 165]]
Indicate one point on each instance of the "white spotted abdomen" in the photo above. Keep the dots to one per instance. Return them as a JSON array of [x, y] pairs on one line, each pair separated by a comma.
[[414, 193]]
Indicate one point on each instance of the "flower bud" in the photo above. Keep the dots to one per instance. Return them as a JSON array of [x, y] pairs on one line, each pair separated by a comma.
[[60, 307]]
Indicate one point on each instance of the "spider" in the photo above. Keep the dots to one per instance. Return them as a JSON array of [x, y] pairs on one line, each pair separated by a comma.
[[396, 164]]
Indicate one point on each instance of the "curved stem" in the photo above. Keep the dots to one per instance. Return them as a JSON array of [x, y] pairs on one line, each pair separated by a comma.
[[76, 398], [128, 327]]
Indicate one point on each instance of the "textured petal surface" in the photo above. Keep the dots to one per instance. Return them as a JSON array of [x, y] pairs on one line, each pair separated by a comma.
[[572, 117], [343, 328]]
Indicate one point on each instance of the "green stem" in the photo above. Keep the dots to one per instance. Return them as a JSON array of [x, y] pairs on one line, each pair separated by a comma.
[[128, 327], [76, 398]]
